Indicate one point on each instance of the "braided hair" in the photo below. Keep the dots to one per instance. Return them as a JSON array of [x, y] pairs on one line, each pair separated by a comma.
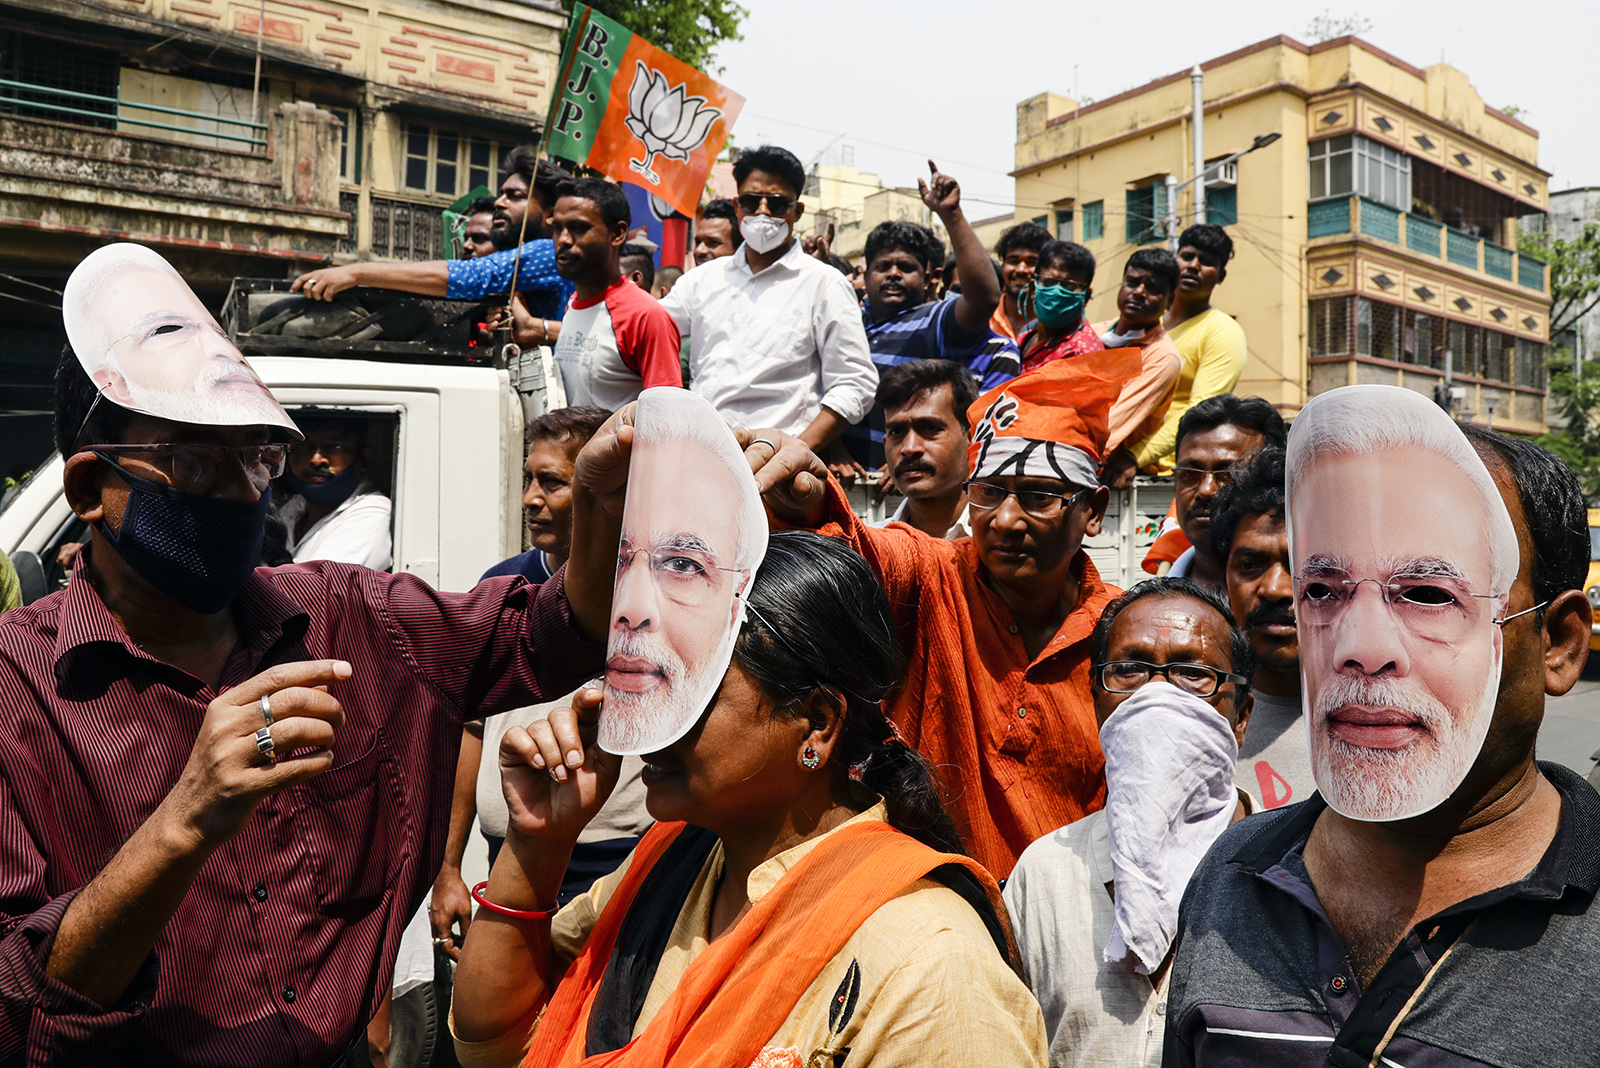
[[819, 620]]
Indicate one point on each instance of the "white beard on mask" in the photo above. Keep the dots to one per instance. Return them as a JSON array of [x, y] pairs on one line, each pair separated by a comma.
[[632, 724], [1380, 785]]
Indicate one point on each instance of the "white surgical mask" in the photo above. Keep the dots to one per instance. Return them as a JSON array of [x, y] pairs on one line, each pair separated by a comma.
[[763, 232]]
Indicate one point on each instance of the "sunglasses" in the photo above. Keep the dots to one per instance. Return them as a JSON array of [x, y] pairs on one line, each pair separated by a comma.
[[777, 205]]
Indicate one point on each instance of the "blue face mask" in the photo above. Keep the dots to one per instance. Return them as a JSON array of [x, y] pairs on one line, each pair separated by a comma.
[[1057, 307], [198, 550], [326, 494]]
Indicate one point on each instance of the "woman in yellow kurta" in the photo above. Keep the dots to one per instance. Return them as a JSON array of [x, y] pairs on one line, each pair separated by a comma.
[[804, 901]]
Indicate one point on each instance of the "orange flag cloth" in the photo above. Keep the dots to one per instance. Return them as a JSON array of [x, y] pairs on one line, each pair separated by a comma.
[[1052, 423]]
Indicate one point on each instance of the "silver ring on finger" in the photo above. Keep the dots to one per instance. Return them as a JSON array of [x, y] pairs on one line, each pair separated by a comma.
[[768, 442], [266, 708], [264, 744]]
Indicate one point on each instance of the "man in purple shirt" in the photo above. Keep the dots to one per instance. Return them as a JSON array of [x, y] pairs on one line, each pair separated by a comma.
[[225, 789]]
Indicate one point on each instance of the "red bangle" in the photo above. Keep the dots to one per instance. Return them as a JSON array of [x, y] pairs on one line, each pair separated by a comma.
[[515, 914]]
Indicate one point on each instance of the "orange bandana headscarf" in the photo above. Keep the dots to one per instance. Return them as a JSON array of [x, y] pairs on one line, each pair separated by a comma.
[[1050, 423]]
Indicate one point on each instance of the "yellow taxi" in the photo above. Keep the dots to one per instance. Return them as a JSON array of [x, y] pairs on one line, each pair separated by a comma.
[[1591, 583]]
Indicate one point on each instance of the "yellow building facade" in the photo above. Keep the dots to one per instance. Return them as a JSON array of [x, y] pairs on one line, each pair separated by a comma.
[[1374, 238]]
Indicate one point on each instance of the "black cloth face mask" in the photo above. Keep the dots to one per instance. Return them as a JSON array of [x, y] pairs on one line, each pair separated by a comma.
[[327, 494], [196, 549]]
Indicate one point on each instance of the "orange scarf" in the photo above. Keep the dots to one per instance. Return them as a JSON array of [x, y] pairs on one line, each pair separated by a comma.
[[736, 994]]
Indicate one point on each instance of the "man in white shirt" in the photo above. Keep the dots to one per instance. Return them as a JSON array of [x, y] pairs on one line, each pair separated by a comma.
[[1094, 905], [775, 335], [336, 512]]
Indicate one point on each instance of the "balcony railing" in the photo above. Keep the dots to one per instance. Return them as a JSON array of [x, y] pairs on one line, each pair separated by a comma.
[[1530, 272], [1422, 235], [1463, 249], [73, 106], [1329, 218]]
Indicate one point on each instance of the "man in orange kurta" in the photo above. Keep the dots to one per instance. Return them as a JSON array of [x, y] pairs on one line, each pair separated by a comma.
[[996, 627]]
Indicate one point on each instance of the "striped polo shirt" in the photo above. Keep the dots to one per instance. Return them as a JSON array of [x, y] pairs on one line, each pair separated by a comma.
[[1260, 976]]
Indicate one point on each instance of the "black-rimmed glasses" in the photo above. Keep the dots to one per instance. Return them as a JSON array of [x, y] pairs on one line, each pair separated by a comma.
[[1041, 504], [1126, 676]]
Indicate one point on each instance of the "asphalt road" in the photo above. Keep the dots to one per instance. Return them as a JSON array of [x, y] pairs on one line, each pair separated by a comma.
[[1571, 731]]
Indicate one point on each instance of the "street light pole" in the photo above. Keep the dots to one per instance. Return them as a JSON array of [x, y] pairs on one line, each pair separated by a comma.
[[1174, 187], [1196, 82]]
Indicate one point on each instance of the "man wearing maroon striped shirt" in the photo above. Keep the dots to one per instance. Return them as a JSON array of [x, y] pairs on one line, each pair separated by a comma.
[[223, 790]]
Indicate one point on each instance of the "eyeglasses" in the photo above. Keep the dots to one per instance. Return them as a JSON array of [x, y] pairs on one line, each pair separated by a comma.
[[1432, 608], [197, 467], [776, 204], [1126, 676], [685, 576], [1041, 504], [1192, 477]]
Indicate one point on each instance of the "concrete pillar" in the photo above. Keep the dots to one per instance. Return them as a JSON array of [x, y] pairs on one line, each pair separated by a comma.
[[305, 153]]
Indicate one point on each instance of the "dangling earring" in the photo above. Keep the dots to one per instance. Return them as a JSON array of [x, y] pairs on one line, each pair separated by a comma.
[[810, 759]]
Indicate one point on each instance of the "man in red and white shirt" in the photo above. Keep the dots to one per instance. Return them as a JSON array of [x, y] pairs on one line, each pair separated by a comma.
[[616, 339]]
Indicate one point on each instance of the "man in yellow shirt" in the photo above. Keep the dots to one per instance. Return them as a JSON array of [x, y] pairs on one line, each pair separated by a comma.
[[1211, 343]]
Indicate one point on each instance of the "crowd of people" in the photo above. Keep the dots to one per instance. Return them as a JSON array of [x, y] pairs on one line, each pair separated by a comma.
[[956, 798]]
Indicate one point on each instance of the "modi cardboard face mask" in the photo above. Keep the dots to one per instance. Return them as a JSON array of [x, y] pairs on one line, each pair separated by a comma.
[[693, 534], [149, 345], [1403, 556]]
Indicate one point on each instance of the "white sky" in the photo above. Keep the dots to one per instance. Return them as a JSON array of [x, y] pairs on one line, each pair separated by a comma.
[[905, 81]]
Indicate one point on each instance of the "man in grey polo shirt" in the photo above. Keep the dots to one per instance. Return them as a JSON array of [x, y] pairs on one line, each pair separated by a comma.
[[1432, 904]]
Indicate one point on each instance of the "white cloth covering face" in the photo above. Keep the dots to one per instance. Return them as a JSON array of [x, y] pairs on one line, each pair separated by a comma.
[[1169, 795]]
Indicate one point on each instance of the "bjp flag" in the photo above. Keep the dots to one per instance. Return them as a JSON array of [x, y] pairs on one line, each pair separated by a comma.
[[629, 110]]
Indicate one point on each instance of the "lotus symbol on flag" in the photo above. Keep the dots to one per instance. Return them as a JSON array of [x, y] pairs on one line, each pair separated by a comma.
[[669, 123]]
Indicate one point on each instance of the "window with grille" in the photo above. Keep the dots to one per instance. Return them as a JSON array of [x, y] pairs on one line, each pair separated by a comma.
[[1329, 327], [406, 231], [1377, 329], [1530, 363], [1340, 166], [44, 65], [1420, 343], [1499, 356], [1094, 221], [1465, 349], [350, 204]]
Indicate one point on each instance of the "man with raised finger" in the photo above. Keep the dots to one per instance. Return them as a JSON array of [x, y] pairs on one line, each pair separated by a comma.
[[227, 788]]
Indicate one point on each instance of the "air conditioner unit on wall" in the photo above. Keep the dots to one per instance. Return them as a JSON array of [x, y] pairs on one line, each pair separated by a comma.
[[1222, 174]]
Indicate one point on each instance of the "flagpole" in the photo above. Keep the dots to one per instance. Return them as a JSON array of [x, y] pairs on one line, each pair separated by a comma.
[[569, 56]]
